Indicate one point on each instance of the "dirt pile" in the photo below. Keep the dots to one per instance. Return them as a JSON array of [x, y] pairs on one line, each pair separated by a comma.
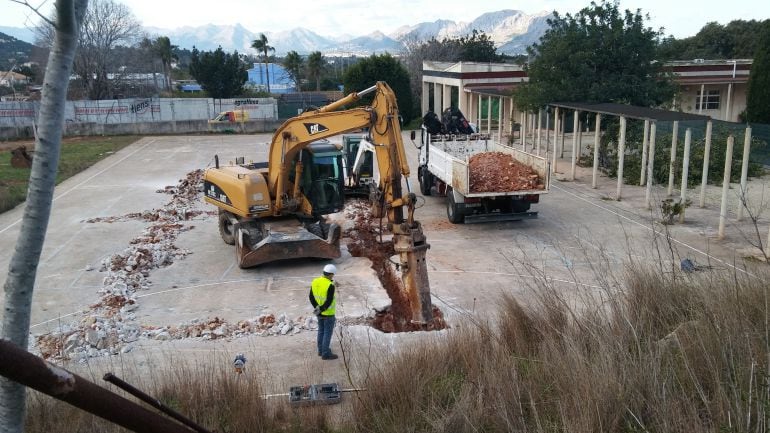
[[499, 172], [21, 158], [366, 240]]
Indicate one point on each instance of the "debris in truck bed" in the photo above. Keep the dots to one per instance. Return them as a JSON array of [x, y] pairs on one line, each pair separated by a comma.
[[499, 172]]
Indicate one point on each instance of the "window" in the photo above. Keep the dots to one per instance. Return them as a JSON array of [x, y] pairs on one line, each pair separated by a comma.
[[710, 102]]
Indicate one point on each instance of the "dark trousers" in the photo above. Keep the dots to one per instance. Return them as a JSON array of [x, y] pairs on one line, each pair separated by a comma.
[[325, 331]]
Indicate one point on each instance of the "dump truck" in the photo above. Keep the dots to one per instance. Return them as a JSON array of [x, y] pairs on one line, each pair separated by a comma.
[[445, 168]]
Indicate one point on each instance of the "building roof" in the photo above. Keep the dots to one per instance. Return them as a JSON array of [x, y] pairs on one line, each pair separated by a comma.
[[630, 111]]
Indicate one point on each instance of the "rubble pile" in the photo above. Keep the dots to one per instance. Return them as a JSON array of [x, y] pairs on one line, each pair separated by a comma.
[[109, 326], [366, 241], [216, 328], [499, 172], [109, 323]]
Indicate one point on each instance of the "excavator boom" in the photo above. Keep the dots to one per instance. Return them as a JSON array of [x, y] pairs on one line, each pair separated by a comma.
[[255, 200]]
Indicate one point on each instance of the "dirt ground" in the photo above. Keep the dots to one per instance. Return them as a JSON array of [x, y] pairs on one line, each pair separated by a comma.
[[133, 265]]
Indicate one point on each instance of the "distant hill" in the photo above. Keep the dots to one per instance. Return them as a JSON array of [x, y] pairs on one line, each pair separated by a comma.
[[511, 31], [12, 48], [20, 33]]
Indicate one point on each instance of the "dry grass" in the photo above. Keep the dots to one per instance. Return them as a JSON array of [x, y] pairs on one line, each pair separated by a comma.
[[671, 353], [210, 395], [662, 352]]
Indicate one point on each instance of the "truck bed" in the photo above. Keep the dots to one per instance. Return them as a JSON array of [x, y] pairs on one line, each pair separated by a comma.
[[448, 161]]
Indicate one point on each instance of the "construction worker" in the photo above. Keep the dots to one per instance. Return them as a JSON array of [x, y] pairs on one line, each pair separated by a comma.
[[323, 301]]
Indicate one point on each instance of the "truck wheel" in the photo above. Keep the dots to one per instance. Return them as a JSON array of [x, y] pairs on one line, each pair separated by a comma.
[[426, 181], [453, 212], [226, 228]]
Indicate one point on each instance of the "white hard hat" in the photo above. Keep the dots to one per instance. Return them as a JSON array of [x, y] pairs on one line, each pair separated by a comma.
[[330, 269]]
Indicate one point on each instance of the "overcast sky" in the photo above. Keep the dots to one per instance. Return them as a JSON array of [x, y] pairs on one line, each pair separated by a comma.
[[335, 17]]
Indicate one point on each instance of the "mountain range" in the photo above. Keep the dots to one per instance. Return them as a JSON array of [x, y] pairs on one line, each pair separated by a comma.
[[511, 30]]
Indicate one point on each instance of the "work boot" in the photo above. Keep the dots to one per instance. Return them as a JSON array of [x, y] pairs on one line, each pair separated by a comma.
[[330, 356]]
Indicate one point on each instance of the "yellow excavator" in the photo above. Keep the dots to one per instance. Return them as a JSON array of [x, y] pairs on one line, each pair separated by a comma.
[[275, 210]]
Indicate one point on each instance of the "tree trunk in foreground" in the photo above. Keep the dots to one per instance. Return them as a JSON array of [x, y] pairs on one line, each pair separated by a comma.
[[42, 180]]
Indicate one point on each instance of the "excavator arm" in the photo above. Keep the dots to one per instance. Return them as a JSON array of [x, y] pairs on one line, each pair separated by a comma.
[[389, 199]]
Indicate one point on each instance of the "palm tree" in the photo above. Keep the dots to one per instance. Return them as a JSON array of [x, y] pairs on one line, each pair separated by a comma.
[[315, 66], [261, 46], [293, 64], [165, 52]]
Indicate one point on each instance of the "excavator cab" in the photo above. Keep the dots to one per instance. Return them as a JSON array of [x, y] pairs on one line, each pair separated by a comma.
[[322, 180]]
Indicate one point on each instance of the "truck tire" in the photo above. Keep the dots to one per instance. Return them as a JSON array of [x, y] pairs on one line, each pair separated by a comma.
[[453, 212], [426, 181], [226, 227]]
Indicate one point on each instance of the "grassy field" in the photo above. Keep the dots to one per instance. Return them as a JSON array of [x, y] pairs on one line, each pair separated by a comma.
[[77, 154]]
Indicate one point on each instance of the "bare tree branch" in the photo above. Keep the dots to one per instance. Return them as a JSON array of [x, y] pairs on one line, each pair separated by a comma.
[[35, 10]]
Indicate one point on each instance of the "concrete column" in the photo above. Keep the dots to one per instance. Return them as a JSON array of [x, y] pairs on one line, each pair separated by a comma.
[[702, 98], [547, 131], [511, 114], [575, 134], [621, 156], [597, 142], [425, 97], [672, 164], [500, 124], [726, 186], [538, 137], [561, 132], [522, 129], [729, 113], [478, 112], [705, 175], [743, 199], [462, 101], [650, 165], [437, 91], [556, 119], [489, 115], [446, 97], [645, 137], [506, 111], [685, 171]]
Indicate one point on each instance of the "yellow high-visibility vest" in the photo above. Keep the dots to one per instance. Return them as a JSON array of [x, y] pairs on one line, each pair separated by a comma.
[[320, 289]]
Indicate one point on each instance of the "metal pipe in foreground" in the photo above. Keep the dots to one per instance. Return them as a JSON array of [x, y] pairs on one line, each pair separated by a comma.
[[29, 370], [154, 402]]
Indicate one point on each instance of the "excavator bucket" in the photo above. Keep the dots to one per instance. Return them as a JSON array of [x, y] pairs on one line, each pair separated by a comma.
[[258, 243]]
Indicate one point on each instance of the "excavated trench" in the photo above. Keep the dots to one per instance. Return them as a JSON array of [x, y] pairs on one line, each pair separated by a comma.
[[367, 240]]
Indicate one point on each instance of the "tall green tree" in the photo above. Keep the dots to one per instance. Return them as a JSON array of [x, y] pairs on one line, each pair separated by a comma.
[[165, 52], [478, 47], [221, 75], [260, 44], [293, 64], [315, 67], [22, 270], [597, 55], [758, 102], [386, 68]]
